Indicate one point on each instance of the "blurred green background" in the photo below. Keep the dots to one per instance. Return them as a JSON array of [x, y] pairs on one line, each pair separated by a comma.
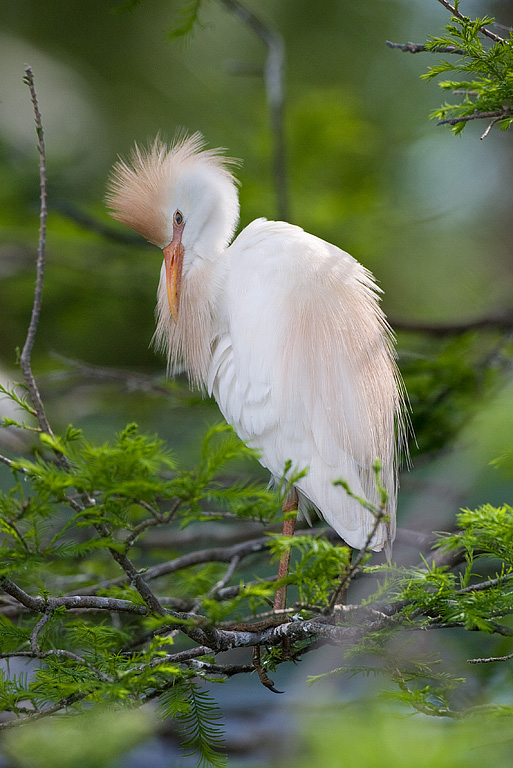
[[428, 213]]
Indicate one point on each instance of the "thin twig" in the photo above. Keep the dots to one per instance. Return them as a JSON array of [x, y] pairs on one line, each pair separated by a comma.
[[362, 554], [460, 16], [45, 618], [10, 463], [489, 128], [40, 713], [25, 358], [71, 602], [133, 574], [498, 322], [490, 659], [59, 652], [421, 48], [226, 578], [92, 224], [500, 114], [26, 354], [157, 519], [484, 585], [275, 93], [213, 555], [176, 658], [130, 379]]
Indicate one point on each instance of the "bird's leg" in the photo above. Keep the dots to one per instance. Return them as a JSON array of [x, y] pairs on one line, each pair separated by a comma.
[[339, 596], [289, 505]]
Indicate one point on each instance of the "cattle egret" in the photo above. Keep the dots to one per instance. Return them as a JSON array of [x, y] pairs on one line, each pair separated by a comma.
[[282, 328]]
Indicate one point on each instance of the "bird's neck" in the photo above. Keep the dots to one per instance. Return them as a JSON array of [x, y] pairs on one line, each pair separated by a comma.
[[188, 341]]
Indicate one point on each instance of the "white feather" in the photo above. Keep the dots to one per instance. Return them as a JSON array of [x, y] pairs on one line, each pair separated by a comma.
[[286, 332]]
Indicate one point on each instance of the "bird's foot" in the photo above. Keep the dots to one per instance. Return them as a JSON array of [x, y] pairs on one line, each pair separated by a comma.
[[262, 674]]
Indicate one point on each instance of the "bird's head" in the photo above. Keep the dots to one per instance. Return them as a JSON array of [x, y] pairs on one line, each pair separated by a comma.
[[182, 198]]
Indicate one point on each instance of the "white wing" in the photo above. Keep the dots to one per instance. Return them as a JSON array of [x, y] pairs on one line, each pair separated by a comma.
[[304, 370]]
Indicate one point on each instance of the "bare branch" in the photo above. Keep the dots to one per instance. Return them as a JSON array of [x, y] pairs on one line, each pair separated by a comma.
[[498, 322], [37, 604], [71, 602], [91, 224], [490, 659], [130, 379], [489, 128], [133, 575], [45, 618], [421, 48], [226, 578], [156, 519], [8, 462], [499, 114], [177, 658], [26, 354], [275, 92], [213, 555]]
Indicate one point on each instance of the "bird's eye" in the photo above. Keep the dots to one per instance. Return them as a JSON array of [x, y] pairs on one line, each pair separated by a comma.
[[178, 218]]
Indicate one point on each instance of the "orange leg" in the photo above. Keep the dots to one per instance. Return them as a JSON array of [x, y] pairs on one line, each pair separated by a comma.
[[289, 505]]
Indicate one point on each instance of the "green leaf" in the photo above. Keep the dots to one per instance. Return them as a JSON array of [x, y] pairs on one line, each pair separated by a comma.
[[188, 15]]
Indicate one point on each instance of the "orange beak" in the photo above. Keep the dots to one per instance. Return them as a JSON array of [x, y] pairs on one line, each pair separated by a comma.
[[173, 259]]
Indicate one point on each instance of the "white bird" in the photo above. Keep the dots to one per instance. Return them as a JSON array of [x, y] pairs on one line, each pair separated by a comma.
[[283, 329]]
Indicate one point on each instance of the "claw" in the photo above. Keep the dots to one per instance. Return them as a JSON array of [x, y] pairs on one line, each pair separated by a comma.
[[264, 679]]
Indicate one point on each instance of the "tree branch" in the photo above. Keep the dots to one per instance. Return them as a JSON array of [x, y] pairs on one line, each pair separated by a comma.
[[40, 713], [214, 555], [26, 354], [88, 222], [130, 379], [499, 322], [362, 554], [498, 114], [275, 93], [71, 602], [460, 16], [490, 659], [60, 652], [421, 48]]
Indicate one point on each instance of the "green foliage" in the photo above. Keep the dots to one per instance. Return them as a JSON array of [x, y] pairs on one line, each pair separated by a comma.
[[376, 736], [433, 598], [199, 717], [73, 509], [446, 381], [317, 568], [487, 66], [187, 19], [92, 740], [76, 507], [109, 619]]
